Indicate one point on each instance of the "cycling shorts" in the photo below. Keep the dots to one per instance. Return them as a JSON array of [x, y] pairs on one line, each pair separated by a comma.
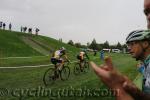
[[55, 61]]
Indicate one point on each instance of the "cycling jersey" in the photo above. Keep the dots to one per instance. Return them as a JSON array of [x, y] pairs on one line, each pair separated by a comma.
[[82, 55], [56, 57], [146, 76], [58, 54]]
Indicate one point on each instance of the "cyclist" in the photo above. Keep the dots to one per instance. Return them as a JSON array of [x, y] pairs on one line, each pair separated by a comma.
[[81, 57], [139, 47], [58, 58], [141, 39]]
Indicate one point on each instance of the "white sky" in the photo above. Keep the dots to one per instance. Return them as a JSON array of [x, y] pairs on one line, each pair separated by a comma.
[[77, 20]]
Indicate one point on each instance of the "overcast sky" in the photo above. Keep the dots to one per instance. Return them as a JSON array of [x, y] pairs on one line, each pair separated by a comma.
[[77, 20]]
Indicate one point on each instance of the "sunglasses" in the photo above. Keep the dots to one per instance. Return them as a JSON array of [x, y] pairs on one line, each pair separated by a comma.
[[147, 11]]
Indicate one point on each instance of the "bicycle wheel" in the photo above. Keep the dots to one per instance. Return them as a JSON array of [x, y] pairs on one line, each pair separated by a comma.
[[65, 73], [77, 69], [86, 67], [49, 76]]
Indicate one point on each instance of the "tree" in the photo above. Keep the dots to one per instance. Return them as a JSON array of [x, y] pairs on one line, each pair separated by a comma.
[[118, 46], [124, 46], [93, 45], [100, 46], [70, 42], [88, 44], [106, 44], [78, 45]]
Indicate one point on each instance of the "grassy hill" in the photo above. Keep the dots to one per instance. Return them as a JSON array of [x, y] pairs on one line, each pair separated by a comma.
[[39, 48], [19, 44], [12, 45], [20, 83]]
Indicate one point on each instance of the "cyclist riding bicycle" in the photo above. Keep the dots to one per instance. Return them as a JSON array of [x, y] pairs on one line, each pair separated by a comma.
[[58, 58], [82, 57]]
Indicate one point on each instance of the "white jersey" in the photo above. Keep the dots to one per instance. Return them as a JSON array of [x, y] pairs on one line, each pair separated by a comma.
[[57, 54]]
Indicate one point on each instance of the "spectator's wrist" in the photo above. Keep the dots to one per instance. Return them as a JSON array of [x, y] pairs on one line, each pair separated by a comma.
[[122, 95]]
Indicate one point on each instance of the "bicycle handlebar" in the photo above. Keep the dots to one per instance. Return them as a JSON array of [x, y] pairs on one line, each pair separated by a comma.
[[66, 62]]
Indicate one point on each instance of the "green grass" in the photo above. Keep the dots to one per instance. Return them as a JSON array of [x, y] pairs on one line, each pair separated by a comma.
[[54, 44], [35, 60], [138, 81], [15, 44], [28, 40], [12, 45], [32, 78]]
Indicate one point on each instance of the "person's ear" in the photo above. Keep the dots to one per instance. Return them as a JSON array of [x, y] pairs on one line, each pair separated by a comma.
[[146, 44]]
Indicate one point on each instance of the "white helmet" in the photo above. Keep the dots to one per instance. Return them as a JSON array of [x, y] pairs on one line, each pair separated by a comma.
[[138, 35], [63, 48]]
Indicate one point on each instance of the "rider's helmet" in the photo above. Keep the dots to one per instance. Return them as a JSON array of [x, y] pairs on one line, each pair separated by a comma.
[[63, 48], [138, 35]]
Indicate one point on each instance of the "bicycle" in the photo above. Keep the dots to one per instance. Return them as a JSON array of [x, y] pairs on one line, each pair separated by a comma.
[[52, 74], [77, 69]]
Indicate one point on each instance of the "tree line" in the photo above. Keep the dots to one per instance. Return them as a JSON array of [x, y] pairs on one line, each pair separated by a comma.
[[98, 46]]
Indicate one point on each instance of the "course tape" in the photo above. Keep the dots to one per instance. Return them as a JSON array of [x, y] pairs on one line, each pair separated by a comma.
[[35, 66], [21, 57], [29, 66]]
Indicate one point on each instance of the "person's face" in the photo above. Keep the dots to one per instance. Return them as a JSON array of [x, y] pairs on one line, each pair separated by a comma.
[[147, 12], [135, 49]]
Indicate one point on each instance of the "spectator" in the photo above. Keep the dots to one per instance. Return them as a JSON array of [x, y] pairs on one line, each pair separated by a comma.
[[24, 29], [30, 30], [4, 25], [138, 43], [1, 24], [21, 29], [101, 55], [36, 31], [95, 52], [10, 26]]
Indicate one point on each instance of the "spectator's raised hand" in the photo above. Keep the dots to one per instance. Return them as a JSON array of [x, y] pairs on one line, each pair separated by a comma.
[[112, 78]]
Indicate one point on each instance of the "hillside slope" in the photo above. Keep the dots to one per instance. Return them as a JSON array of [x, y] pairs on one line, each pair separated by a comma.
[[17, 46], [11, 45], [22, 44], [53, 44], [35, 45]]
